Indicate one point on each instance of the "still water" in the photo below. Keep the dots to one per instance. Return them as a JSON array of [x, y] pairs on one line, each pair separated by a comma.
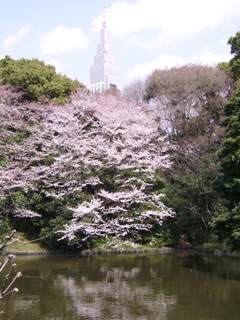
[[129, 287]]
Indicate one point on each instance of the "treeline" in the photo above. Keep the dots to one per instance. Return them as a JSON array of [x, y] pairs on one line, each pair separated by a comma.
[[202, 114], [153, 165]]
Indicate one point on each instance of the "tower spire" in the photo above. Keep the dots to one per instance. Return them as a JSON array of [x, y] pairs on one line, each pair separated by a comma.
[[104, 17], [104, 72]]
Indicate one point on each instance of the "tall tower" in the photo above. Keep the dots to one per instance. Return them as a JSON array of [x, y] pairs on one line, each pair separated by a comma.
[[104, 72]]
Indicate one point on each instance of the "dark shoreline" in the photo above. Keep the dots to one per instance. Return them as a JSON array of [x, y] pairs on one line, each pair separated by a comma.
[[188, 250]]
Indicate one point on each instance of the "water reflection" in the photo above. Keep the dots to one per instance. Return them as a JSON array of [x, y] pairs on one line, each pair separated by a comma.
[[129, 287], [118, 294], [229, 267]]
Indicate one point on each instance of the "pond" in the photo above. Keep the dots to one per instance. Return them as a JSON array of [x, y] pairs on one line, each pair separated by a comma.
[[141, 287]]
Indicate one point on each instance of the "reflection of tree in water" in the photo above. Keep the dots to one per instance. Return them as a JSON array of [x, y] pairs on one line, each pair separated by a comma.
[[129, 287], [25, 304], [229, 267], [118, 294]]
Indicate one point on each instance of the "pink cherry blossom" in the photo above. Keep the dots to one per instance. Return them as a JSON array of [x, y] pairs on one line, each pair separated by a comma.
[[64, 149]]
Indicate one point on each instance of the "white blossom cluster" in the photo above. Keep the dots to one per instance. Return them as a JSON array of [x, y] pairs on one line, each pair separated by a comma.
[[74, 148]]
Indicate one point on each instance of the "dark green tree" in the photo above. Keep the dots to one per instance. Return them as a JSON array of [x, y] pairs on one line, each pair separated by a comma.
[[235, 45], [233, 66], [227, 223], [37, 81]]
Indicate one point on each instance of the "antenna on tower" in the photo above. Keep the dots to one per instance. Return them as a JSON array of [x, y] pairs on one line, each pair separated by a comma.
[[104, 17]]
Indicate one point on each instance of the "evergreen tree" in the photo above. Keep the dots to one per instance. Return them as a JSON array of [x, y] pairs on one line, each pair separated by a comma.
[[36, 81], [228, 221]]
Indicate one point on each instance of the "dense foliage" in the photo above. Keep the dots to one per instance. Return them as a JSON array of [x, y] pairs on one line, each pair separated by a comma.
[[103, 166], [192, 98], [36, 81], [227, 222], [199, 108], [234, 63], [91, 169]]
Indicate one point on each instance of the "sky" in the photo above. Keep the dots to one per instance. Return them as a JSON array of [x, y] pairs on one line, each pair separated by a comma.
[[144, 34]]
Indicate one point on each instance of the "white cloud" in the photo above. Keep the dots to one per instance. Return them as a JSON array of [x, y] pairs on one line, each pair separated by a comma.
[[63, 40], [165, 61], [210, 58], [19, 35], [131, 42], [171, 17], [162, 62]]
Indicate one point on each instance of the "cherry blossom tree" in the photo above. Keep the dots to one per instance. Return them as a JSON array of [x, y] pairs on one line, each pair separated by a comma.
[[106, 153], [120, 141], [16, 149]]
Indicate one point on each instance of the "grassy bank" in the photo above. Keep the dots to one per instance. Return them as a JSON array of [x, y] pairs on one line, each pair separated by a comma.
[[113, 246], [24, 246]]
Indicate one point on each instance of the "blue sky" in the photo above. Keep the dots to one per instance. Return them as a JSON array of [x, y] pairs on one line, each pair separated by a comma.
[[144, 34]]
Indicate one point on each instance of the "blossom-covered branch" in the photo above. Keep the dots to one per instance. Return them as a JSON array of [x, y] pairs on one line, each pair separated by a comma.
[[102, 148]]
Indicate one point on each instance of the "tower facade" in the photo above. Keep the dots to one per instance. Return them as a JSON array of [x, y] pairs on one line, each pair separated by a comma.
[[104, 72]]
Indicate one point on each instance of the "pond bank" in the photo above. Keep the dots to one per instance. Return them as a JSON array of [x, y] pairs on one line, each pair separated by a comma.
[[188, 250]]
